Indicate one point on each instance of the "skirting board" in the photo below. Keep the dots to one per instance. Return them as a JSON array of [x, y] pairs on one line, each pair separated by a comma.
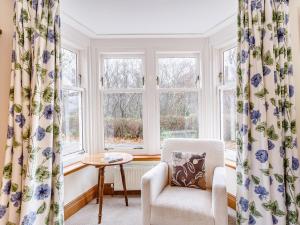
[[231, 201], [79, 202], [82, 200]]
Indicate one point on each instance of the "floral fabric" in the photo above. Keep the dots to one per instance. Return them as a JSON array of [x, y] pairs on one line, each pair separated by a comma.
[[268, 172], [31, 187], [188, 170]]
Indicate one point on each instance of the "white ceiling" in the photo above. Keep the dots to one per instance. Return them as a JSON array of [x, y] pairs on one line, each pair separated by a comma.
[[147, 17]]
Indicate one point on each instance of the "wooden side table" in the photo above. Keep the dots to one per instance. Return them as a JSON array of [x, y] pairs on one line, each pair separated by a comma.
[[100, 162]]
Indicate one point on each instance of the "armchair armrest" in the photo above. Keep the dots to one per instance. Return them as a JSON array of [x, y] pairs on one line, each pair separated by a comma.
[[219, 197], [153, 182]]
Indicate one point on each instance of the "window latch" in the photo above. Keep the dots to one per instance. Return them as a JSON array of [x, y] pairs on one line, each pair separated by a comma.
[[197, 79], [220, 77], [79, 79], [157, 80], [82, 152], [102, 82], [143, 81]]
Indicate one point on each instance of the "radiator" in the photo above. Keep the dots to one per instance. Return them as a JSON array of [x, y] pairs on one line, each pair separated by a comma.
[[133, 174]]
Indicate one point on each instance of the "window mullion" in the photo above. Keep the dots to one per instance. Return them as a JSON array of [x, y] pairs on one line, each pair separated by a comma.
[[72, 88], [178, 90]]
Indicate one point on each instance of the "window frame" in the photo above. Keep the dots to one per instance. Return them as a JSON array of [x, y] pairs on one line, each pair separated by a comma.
[[230, 154], [150, 95], [69, 154], [103, 91], [197, 89]]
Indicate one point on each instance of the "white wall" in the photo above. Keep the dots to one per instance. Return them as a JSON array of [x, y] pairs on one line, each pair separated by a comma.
[[6, 24], [79, 182]]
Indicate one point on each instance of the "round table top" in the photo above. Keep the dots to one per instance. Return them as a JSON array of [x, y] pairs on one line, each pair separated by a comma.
[[101, 159]]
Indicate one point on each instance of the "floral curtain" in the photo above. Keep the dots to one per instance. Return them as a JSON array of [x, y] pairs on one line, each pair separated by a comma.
[[268, 172], [31, 190]]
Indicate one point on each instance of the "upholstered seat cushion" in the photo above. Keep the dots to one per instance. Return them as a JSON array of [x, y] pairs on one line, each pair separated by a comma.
[[182, 206]]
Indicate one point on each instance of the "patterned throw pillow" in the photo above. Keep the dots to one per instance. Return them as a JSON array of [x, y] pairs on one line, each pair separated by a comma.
[[188, 170]]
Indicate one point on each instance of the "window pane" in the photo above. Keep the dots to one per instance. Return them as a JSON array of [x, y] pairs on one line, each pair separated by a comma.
[[123, 123], [71, 121], [177, 72], [123, 73], [229, 119], [69, 67], [178, 115], [230, 64]]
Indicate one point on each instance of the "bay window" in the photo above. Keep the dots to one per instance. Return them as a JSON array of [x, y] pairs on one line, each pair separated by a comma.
[[139, 96]]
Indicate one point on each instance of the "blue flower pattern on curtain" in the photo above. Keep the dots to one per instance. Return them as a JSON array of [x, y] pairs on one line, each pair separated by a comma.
[[32, 183], [268, 173]]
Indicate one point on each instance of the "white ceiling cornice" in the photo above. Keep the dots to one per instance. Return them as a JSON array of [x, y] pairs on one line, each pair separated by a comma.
[[77, 25], [112, 19], [92, 34]]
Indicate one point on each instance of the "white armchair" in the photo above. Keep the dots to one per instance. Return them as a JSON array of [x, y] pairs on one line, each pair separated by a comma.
[[163, 204]]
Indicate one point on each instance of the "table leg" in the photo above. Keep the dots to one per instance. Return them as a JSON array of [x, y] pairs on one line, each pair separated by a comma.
[[100, 192], [97, 197], [124, 184]]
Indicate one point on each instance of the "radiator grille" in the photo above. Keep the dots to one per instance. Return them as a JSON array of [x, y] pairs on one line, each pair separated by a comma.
[[133, 174]]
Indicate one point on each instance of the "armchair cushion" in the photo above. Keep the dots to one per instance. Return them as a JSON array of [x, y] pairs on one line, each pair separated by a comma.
[[188, 170], [179, 205], [214, 150]]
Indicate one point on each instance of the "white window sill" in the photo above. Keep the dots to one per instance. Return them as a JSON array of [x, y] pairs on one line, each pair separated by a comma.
[[72, 158], [133, 151]]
